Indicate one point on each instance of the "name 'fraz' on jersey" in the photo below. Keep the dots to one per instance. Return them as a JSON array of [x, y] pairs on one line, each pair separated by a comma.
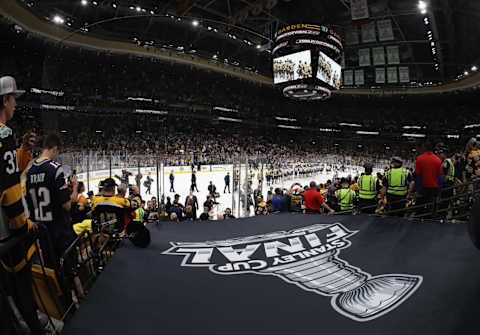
[[47, 191], [308, 258]]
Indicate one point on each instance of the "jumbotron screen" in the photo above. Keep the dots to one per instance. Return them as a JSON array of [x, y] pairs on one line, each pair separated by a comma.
[[292, 67], [329, 71]]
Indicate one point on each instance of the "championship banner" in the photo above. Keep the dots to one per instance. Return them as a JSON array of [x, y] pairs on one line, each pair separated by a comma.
[[348, 77], [360, 13], [393, 54], [351, 36], [404, 74], [359, 77], [392, 75], [378, 56], [368, 33], [287, 274], [385, 31], [380, 75], [364, 57]]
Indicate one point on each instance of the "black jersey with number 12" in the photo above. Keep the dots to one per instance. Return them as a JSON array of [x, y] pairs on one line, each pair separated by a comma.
[[47, 191]]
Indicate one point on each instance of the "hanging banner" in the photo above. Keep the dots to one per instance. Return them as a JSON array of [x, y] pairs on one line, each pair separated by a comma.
[[385, 31], [368, 33], [393, 54], [404, 74], [360, 13], [348, 77], [351, 36], [392, 75], [359, 77], [364, 57], [378, 56], [380, 75]]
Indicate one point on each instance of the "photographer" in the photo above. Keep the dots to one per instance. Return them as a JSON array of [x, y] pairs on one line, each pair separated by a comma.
[[212, 189], [124, 178]]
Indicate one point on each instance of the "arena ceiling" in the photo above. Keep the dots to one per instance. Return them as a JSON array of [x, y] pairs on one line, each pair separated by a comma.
[[240, 31]]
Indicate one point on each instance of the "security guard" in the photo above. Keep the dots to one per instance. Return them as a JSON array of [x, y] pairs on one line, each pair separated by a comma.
[[345, 197], [398, 182], [368, 188], [448, 167]]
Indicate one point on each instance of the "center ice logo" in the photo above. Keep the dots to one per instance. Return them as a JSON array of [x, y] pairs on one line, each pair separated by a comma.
[[308, 258]]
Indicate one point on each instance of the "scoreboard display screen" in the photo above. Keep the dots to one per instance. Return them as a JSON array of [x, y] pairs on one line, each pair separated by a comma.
[[329, 71], [292, 67]]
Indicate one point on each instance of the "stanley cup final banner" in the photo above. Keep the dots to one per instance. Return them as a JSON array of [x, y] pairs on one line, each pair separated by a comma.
[[290, 274], [360, 13]]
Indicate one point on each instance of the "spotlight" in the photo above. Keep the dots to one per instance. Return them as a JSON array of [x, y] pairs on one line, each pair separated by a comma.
[[422, 5], [58, 19], [195, 23], [84, 2], [474, 68], [114, 5], [258, 46], [466, 73], [138, 9], [95, 3]]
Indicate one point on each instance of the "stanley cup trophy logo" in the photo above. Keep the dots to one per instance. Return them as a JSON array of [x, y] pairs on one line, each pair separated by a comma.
[[309, 258]]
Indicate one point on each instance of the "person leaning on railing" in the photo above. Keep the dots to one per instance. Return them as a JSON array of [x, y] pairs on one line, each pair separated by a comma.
[[448, 166], [428, 177], [368, 189], [472, 155], [314, 200], [398, 182], [16, 267], [345, 196]]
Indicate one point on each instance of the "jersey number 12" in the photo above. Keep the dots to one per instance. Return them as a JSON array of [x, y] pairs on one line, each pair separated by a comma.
[[41, 203]]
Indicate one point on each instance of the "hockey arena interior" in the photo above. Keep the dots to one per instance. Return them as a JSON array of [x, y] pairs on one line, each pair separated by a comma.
[[239, 167]]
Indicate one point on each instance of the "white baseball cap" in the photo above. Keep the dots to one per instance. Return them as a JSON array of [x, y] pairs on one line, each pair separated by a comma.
[[9, 86]]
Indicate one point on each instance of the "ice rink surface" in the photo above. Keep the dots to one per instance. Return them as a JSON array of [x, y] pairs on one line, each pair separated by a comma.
[[182, 183]]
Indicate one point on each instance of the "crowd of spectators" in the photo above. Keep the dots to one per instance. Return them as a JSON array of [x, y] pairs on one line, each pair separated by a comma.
[[92, 79]]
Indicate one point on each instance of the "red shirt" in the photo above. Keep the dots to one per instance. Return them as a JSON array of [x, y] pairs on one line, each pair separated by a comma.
[[313, 199], [429, 166]]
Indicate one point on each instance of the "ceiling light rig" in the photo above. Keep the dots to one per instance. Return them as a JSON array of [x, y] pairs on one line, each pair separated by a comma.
[[422, 6], [58, 19]]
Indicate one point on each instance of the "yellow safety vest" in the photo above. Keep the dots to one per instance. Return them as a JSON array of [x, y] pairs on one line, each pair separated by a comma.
[[397, 181], [367, 187], [345, 198]]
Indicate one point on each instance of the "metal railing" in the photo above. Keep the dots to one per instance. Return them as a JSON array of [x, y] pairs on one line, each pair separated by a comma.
[[452, 209], [56, 279]]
